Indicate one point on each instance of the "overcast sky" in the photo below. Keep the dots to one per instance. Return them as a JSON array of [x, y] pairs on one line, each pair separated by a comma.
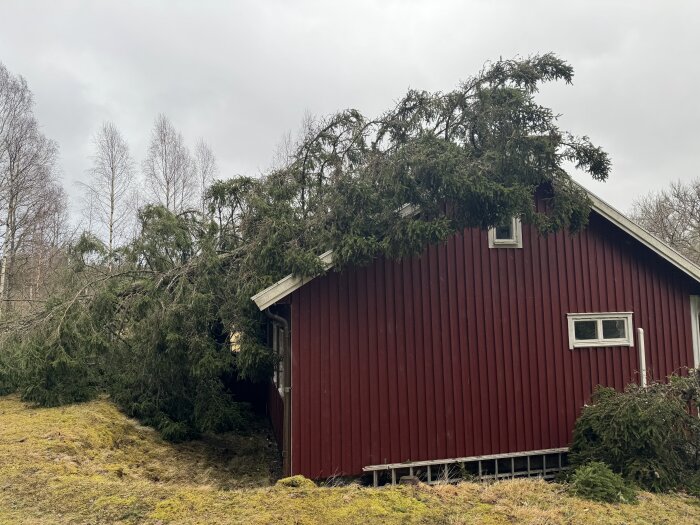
[[242, 74]]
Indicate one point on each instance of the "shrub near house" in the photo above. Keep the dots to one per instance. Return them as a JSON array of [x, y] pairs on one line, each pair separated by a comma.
[[648, 435]]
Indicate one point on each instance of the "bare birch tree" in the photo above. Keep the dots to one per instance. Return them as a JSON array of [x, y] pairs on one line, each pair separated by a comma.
[[168, 168], [30, 159], [205, 170], [109, 189], [28, 184], [15, 101], [15, 105], [673, 215], [42, 247]]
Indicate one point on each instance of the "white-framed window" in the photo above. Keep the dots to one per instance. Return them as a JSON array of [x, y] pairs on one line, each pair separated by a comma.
[[507, 235], [588, 330]]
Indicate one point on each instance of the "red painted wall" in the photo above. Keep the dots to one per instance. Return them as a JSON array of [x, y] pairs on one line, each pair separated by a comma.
[[464, 350]]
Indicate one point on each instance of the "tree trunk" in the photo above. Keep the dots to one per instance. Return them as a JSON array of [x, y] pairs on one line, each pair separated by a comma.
[[3, 272], [111, 218], [7, 248]]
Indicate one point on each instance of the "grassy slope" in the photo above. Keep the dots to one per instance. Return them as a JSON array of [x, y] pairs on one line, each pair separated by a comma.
[[89, 464]]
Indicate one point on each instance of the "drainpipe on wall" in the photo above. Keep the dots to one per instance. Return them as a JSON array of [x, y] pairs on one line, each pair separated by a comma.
[[286, 392], [642, 358]]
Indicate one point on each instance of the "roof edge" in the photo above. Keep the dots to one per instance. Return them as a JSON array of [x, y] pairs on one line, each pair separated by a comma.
[[290, 283], [287, 285], [646, 238]]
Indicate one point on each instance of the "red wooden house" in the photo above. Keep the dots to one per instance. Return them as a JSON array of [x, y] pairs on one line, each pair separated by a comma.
[[485, 346]]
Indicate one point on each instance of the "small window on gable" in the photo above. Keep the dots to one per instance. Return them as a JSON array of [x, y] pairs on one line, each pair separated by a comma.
[[507, 235], [600, 329]]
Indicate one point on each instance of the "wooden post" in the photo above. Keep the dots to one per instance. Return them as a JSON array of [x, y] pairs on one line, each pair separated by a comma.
[[544, 466]]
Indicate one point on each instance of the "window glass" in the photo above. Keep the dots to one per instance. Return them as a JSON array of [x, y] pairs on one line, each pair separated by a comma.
[[586, 330], [506, 235], [590, 330], [614, 329], [505, 232]]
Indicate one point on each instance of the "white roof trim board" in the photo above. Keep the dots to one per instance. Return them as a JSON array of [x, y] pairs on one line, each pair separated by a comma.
[[287, 285], [649, 240]]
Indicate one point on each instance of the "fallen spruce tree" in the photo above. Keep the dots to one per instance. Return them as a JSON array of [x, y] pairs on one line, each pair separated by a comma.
[[153, 327], [651, 436]]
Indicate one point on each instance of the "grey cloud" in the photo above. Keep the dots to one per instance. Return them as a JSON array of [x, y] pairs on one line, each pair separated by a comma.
[[241, 74]]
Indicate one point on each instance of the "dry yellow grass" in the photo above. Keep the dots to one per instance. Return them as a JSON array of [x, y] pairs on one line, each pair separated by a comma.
[[90, 464]]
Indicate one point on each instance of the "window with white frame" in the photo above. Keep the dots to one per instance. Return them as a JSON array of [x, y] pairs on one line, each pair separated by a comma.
[[507, 235], [588, 330]]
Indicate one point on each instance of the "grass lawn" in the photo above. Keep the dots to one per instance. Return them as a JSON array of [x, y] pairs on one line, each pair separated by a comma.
[[88, 463]]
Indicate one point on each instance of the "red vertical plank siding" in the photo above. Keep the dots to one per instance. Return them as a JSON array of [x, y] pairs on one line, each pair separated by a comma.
[[373, 363], [462, 381], [532, 370], [357, 369], [411, 403], [442, 310], [628, 365], [479, 367], [334, 375], [421, 429], [296, 401], [549, 365], [301, 393], [573, 268], [346, 402], [361, 334], [402, 358], [509, 317], [325, 423], [383, 402], [434, 351], [454, 346], [427, 354], [391, 387], [463, 350], [641, 308], [489, 390]]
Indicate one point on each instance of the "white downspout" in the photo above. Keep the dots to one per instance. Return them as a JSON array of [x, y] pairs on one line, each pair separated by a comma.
[[642, 358], [287, 392]]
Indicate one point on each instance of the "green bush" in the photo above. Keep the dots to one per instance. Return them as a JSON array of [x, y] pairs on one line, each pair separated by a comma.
[[595, 481], [692, 484], [648, 435], [51, 366], [9, 380], [53, 377]]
